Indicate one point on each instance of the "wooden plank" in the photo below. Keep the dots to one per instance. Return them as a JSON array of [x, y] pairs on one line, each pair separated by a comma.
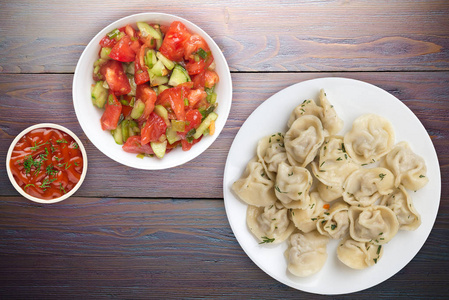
[[254, 35], [30, 99], [156, 248]]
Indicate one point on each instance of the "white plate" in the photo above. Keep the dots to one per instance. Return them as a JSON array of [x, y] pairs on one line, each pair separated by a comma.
[[351, 98], [89, 116]]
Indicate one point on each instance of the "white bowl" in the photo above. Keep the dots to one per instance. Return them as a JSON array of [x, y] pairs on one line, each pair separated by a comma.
[[89, 116], [46, 125]]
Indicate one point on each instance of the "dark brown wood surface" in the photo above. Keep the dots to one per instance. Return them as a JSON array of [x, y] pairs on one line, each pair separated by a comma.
[[164, 234]]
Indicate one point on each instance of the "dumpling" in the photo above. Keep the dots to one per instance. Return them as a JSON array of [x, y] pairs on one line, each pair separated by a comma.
[[401, 204], [375, 224], [271, 152], [331, 122], [308, 107], [370, 138], [292, 186], [334, 165], [409, 168], [254, 187], [269, 224], [358, 255], [334, 223], [365, 186], [303, 140], [306, 219], [329, 193], [306, 253]]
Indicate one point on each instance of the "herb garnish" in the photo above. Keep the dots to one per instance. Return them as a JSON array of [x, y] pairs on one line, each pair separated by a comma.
[[266, 240]]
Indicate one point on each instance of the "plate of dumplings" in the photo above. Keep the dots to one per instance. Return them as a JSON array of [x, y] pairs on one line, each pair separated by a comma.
[[332, 186]]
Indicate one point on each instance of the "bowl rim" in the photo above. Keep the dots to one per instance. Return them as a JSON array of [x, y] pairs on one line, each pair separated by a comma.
[[79, 95], [54, 126]]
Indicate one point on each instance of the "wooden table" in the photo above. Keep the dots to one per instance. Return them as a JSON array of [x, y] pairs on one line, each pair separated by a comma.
[[160, 234]]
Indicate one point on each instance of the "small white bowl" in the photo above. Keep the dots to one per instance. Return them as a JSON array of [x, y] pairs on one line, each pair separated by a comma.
[[89, 116], [46, 125]]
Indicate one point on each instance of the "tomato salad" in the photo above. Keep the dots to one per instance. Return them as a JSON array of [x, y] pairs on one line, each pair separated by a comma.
[[156, 85]]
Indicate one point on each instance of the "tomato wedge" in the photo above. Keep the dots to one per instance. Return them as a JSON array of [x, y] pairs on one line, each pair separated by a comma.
[[133, 145], [174, 98], [116, 78], [141, 74], [153, 129], [186, 146], [193, 45], [122, 51], [148, 96], [173, 44], [111, 114]]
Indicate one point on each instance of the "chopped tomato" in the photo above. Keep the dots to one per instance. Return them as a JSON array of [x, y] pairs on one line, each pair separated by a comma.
[[153, 129], [122, 51], [116, 78], [210, 78], [141, 74], [111, 114], [149, 97], [133, 145], [199, 80], [130, 31], [186, 145], [195, 96], [193, 45], [195, 67], [107, 42], [173, 44], [174, 98], [193, 117], [126, 110]]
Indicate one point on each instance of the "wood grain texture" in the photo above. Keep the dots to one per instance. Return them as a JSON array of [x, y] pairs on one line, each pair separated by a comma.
[[254, 35], [156, 248], [30, 99]]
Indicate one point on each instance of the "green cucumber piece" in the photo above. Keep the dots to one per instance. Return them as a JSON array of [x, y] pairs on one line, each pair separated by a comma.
[[159, 148], [158, 80], [161, 88], [158, 69], [178, 76], [172, 135], [125, 130], [99, 94], [205, 124], [179, 126], [162, 112], [117, 134], [150, 58], [138, 109], [104, 53], [147, 30], [167, 63]]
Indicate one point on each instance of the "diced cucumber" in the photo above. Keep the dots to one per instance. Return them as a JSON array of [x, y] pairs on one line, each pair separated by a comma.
[[101, 61], [159, 148], [158, 69], [125, 130], [167, 63], [150, 58], [161, 88], [117, 134], [205, 124], [158, 80], [99, 94], [172, 135], [179, 126], [138, 109], [104, 53], [162, 112], [133, 128], [178, 76], [147, 30], [130, 69]]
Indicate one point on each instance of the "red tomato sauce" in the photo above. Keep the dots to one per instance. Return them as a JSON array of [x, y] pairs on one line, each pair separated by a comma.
[[46, 163]]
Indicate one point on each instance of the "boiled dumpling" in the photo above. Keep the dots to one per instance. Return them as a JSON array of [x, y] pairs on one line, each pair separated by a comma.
[[306, 219], [358, 255], [375, 224], [269, 224], [303, 140], [370, 138], [334, 165], [254, 187], [409, 168], [307, 107], [329, 193], [331, 122], [365, 186], [271, 152], [334, 223], [306, 253], [401, 204], [292, 186]]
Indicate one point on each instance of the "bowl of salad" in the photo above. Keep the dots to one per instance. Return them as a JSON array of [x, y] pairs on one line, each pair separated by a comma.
[[152, 91]]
